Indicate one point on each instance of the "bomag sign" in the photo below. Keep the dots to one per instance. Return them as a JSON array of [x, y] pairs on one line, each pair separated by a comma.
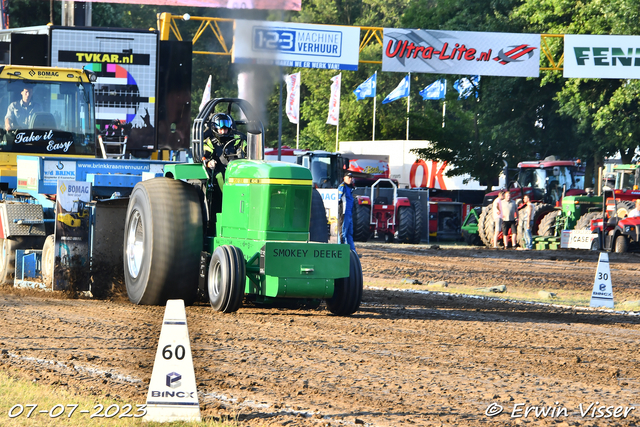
[[604, 57]]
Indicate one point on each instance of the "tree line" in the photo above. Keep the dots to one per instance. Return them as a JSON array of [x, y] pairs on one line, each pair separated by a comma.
[[512, 119]]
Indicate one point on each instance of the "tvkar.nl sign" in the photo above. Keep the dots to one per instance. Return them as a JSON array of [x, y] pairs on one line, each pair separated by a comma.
[[296, 45], [602, 57], [461, 52]]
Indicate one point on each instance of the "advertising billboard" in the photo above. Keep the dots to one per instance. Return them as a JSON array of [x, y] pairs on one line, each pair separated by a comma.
[[296, 45], [125, 64], [461, 52], [229, 4], [602, 57]]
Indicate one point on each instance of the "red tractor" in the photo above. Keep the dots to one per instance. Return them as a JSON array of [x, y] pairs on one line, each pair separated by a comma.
[[621, 233], [398, 219], [545, 182]]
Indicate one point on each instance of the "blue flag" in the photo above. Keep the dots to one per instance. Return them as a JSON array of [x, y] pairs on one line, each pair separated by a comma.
[[401, 91], [436, 90], [367, 89], [466, 87]]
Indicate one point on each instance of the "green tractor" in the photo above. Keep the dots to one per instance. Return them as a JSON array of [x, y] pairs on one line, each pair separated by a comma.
[[187, 237]]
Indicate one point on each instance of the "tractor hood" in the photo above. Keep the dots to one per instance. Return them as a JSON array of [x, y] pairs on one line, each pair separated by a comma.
[[261, 170]]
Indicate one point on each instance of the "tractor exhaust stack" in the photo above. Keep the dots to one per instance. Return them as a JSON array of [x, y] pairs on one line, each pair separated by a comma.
[[255, 147]]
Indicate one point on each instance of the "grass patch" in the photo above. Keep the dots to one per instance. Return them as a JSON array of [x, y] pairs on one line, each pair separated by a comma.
[[15, 391]]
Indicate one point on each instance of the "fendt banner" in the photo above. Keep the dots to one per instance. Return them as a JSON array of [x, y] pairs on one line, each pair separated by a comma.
[[229, 4], [461, 52], [602, 57], [289, 44]]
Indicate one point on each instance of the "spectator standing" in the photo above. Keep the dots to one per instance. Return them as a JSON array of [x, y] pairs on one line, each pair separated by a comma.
[[526, 218], [509, 213], [635, 212], [497, 217], [345, 196]]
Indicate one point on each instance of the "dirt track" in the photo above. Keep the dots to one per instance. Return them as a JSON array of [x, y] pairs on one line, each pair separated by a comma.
[[404, 358]]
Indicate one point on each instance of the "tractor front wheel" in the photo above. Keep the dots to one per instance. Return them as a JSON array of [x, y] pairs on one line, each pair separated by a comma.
[[361, 222], [162, 242], [418, 218], [347, 291], [622, 245], [48, 260], [405, 224], [227, 278], [8, 249]]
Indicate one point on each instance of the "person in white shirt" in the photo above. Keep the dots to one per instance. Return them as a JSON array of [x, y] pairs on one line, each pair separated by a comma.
[[635, 212], [509, 214], [497, 217]]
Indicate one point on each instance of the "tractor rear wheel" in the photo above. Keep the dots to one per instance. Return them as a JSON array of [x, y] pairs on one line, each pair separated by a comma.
[[405, 224], [227, 279], [622, 245], [8, 261], [541, 210], [624, 207], [48, 260], [418, 217], [485, 226], [8, 255], [361, 226], [318, 231], [584, 223], [162, 242], [547, 226], [347, 291]]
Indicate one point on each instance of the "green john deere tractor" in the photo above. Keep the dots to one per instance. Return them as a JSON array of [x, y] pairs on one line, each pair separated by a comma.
[[253, 239]]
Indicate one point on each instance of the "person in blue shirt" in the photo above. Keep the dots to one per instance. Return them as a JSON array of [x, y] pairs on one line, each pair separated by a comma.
[[345, 198]]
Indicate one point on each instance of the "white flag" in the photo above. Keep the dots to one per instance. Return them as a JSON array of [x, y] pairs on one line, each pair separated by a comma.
[[206, 95], [334, 101], [293, 97]]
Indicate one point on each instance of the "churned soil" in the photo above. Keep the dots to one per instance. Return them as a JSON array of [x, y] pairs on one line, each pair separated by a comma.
[[405, 358]]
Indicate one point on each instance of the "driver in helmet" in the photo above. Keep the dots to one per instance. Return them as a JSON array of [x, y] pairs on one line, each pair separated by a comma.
[[220, 143]]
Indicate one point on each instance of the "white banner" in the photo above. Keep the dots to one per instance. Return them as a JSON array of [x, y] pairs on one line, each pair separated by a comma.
[[293, 97], [577, 239], [289, 44], [206, 95], [461, 52], [334, 101], [602, 57]]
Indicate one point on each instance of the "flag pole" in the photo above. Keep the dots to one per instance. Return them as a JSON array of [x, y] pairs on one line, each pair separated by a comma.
[[375, 95], [444, 104], [337, 130], [408, 104], [298, 133]]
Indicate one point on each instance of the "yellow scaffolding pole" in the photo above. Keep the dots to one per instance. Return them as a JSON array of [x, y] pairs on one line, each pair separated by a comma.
[[545, 48], [168, 24]]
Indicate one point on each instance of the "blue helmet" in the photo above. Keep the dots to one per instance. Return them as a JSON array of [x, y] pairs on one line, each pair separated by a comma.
[[220, 122]]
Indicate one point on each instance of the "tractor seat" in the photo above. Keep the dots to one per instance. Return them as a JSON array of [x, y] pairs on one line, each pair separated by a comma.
[[381, 201]]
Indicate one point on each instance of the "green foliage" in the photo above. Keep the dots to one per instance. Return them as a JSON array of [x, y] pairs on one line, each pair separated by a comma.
[[513, 119]]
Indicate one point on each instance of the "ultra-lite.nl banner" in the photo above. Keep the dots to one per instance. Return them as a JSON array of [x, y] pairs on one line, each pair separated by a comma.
[[461, 52]]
